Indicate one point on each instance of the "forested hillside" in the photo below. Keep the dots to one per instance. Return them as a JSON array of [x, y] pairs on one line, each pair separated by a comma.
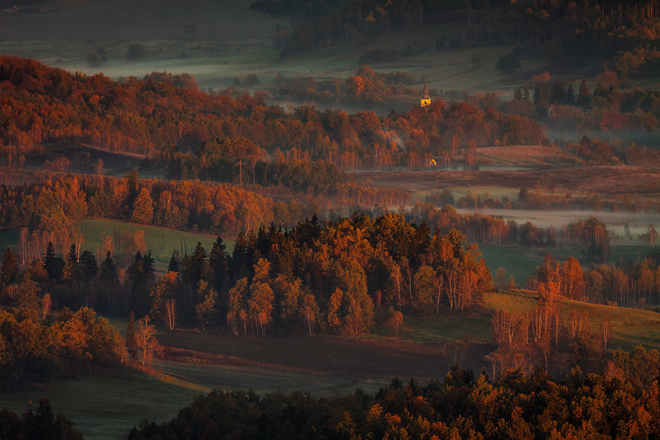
[[602, 29], [166, 117]]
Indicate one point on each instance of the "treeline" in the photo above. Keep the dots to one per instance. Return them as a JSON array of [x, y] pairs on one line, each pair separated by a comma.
[[624, 283], [44, 105], [617, 403], [50, 204], [591, 234], [46, 208], [607, 108], [364, 89], [603, 29]]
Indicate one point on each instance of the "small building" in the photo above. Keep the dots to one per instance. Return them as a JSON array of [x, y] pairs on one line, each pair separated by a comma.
[[426, 96]]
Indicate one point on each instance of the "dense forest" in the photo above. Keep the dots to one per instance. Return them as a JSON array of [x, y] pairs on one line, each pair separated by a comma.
[[603, 29], [620, 403]]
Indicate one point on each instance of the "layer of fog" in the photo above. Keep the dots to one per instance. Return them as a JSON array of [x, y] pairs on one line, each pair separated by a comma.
[[615, 221]]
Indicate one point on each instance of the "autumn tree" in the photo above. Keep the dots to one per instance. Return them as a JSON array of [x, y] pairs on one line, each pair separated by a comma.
[[146, 341], [236, 305], [572, 279], [132, 338], [396, 321], [308, 309], [425, 290], [207, 301], [163, 304], [143, 209]]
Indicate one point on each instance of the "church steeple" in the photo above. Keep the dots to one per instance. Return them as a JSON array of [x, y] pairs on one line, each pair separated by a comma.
[[426, 95]]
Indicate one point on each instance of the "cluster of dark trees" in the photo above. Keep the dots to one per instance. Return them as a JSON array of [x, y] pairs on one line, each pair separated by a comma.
[[38, 423], [620, 403], [359, 22], [601, 29]]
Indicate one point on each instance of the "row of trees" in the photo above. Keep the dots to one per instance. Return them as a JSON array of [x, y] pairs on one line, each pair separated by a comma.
[[632, 285], [365, 89]]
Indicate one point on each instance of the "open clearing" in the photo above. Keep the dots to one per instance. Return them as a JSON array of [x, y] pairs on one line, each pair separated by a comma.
[[526, 155], [161, 241]]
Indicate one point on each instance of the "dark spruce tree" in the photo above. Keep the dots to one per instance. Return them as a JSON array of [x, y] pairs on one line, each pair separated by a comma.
[[9, 267]]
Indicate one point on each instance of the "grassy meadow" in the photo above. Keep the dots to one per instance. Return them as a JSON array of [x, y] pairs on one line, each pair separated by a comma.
[[104, 408], [161, 241]]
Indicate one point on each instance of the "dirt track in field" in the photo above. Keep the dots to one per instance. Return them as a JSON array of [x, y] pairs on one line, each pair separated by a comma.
[[337, 357]]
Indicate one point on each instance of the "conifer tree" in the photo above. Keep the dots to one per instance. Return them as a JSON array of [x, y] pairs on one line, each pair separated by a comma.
[[218, 261], [9, 267], [52, 263], [72, 256], [570, 95], [584, 95], [44, 420], [108, 270], [173, 265]]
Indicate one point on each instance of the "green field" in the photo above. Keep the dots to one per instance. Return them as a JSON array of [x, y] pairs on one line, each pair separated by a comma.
[[162, 242], [104, 408], [518, 261]]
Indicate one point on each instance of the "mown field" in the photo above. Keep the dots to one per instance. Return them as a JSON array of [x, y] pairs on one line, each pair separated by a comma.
[[605, 180], [161, 241]]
